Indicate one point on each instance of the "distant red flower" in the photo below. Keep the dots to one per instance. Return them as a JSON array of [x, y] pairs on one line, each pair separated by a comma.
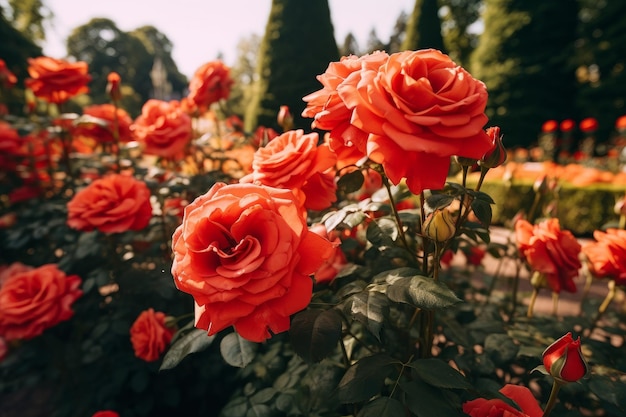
[[588, 125], [104, 134], [7, 78], [474, 255], [567, 125], [56, 80], [150, 336], [446, 258], [607, 255], [113, 86], [209, 84], [263, 135], [23, 193], [549, 126], [10, 143], [620, 123]]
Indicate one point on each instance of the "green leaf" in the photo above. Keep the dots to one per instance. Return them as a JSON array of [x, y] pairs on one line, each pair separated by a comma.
[[195, 340], [382, 407], [315, 333], [425, 400], [422, 292], [436, 201], [263, 396], [439, 374], [382, 232], [259, 410], [501, 348], [483, 211], [235, 408], [365, 378], [351, 181], [369, 308], [236, 350]]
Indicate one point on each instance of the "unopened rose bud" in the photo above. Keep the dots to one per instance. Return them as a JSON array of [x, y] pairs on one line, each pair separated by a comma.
[[497, 155], [285, 119], [439, 225], [113, 86], [564, 359], [465, 162]]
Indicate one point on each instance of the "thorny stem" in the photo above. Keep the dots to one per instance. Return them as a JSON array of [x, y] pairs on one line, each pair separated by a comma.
[[556, 386]]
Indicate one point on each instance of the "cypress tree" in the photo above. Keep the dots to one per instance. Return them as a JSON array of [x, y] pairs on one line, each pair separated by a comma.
[[525, 57], [298, 45], [424, 27]]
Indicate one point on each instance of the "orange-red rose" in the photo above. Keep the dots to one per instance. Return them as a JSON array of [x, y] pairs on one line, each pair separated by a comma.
[[163, 128], [607, 255], [34, 300], [244, 252], [150, 336], [113, 204], [419, 109], [551, 251], [293, 159], [105, 134], [56, 80], [482, 407], [209, 84]]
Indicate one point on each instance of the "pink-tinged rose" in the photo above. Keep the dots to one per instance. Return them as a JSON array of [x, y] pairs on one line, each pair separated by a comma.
[[245, 254], [163, 128], [419, 108], [34, 300], [550, 251], [329, 110], [567, 125], [482, 407], [56, 80], [564, 360], [114, 204], [209, 84], [290, 161], [606, 255], [150, 336]]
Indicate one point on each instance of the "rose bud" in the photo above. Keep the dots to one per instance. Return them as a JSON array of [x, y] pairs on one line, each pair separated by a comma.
[[113, 86], [439, 225], [497, 155], [564, 360], [285, 119]]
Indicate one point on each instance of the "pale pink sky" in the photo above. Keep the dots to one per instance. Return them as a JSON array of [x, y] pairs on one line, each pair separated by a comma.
[[201, 29]]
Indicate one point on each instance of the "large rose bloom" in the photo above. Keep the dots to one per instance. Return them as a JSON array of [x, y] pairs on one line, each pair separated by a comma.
[[244, 253], [209, 84], [56, 80], [291, 161], [105, 134], [420, 109], [551, 251], [113, 204], [607, 255], [150, 336], [328, 109], [482, 407], [34, 300], [163, 128]]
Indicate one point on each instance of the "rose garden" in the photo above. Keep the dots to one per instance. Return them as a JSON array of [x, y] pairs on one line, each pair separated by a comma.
[[394, 259]]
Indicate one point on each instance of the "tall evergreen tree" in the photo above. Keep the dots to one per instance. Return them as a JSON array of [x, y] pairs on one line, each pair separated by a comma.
[[298, 44], [525, 57], [424, 27], [350, 45]]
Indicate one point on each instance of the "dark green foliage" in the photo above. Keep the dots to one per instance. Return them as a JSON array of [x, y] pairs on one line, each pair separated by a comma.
[[298, 45], [457, 18], [525, 57], [424, 27]]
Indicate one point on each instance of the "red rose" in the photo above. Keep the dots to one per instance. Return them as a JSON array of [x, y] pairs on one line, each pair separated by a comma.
[[607, 255], [522, 396], [564, 360], [549, 126], [113, 204], [244, 253], [291, 161], [163, 128], [588, 125], [105, 134], [106, 413], [7, 78], [550, 251], [419, 108], [329, 110], [209, 84], [34, 300], [7, 272], [150, 336], [474, 255], [567, 125], [56, 80]]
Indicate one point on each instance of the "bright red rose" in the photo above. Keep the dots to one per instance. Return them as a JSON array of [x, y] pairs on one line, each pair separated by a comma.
[[522, 396], [564, 360], [607, 255], [106, 413], [34, 300], [419, 108], [114, 204], [549, 126], [163, 128], [209, 84], [551, 251], [244, 253], [7, 78], [291, 161], [107, 113], [567, 125], [329, 110], [56, 80], [150, 336], [588, 125]]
